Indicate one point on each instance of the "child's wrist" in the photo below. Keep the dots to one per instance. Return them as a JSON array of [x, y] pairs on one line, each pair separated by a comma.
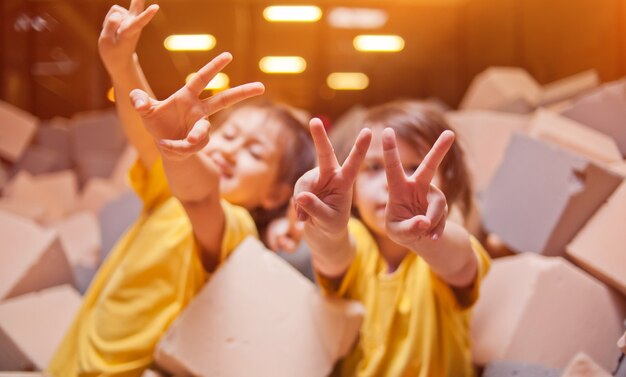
[[117, 66]]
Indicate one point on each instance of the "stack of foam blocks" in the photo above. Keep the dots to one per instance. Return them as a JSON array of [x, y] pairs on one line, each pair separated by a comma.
[[58, 180], [65, 202], [548, 168]]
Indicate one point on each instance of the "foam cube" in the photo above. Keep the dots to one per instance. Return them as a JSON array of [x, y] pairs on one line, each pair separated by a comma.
[[484, 136], [508, 89], [583, 366], [31, 259], [17, 128], [279, 325], [569, 87], [544, 310], [542, 195], [605, 110], [116, 217], [96, 194], [574, 136], [33, 325], [599, 246], [56, 192]]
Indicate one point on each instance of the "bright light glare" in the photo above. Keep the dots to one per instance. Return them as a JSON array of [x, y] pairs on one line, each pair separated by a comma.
[[384, 43], [111, 94], [303, 13], [282, 64], [347, 81], [190, 42], [357, 18]]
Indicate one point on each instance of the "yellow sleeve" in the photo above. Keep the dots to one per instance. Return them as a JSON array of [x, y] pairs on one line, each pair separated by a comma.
[[465, 298], [238, 225], [363, 243], [149, 184]]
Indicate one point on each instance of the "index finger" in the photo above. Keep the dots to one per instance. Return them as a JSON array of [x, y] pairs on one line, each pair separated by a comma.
[[200, 80], [136, 6], [428, 168], [391, 157], [326, 159], [146, 16]]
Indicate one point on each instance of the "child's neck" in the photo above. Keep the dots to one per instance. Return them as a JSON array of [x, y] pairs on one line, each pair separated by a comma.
[[391, 252]]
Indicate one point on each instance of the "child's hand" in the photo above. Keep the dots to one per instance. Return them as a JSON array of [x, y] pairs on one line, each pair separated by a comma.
[[415, 208], [179, 123], [120, 33], [323, 196], [285, 233]]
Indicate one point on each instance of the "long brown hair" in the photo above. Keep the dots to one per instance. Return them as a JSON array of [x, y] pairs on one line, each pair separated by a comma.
[[418, 123]]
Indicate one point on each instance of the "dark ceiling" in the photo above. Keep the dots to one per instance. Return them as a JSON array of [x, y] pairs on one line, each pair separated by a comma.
[[51, 68]]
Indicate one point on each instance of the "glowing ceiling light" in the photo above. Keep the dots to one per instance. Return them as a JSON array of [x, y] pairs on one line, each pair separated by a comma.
[[301, 13], [220, 81], [383, 43], [347, 81], [111, 94], [282, 64], [190, 42], [357, 18]]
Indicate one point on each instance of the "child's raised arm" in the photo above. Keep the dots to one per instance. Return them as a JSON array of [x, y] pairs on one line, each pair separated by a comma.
[[180, 128], [120, 33], [416, 214], [323, 198]]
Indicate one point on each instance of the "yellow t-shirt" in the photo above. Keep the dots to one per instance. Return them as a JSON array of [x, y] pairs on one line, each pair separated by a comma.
[[151, 275], [414, 325]]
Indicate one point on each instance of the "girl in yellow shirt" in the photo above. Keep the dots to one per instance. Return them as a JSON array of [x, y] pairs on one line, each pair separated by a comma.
[[416, 272], [200, 200]]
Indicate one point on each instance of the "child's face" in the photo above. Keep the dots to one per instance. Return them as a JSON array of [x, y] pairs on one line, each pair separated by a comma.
[[370, 189], [246, 149]]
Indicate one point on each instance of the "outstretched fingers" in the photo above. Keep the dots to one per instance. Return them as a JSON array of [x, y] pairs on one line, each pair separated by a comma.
[[428, 168], [393, 164], [200, 80], [146, 16], [136, 6], [354, 160], [326, 159], [232, 96]]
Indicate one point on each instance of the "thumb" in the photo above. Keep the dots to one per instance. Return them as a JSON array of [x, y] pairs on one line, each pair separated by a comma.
[[141, 101]]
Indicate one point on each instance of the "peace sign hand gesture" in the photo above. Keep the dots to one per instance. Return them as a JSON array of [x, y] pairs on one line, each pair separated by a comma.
[[179, 123], [323, 196], [121, 31], [416, 208]]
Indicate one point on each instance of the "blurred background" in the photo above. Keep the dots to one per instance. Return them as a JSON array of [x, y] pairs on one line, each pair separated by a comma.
[[534, 89], [50, 65]]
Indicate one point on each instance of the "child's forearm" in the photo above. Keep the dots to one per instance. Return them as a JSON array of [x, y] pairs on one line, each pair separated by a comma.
[[331, 254], [126, 77], [451, 257], [192, 179], [195, 183]]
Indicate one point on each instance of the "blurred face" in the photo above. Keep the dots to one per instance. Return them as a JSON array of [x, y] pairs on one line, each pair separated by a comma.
[[246, 150], [370, 189]]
